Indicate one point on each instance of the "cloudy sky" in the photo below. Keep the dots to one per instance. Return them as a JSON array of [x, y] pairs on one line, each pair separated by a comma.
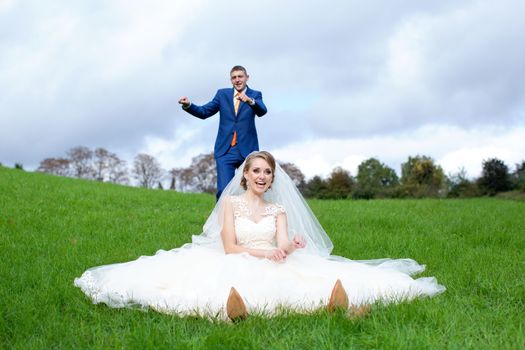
[[343, 80]]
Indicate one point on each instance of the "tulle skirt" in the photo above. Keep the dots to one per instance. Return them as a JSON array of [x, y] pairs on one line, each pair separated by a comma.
[[197, 281]]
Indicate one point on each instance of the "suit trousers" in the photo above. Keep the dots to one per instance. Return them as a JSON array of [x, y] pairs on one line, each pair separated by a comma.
[[226, 165]]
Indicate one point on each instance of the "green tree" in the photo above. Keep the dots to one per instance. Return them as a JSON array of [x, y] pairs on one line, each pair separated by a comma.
[[315, 188], [459, 185], [339, 184], [375, 179], [495, 177], [421, 177], [519, 176]]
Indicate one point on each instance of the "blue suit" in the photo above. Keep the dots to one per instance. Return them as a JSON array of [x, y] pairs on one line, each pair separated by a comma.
[[229, 158]]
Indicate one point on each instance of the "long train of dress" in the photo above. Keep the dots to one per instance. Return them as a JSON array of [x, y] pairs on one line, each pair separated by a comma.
[[195, 280]]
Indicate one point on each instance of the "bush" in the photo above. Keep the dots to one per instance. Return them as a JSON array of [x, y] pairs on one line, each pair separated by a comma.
[[519, 177], [459, 186]]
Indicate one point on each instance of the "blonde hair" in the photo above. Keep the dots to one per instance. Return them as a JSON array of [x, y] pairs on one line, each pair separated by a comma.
[[249, 160]]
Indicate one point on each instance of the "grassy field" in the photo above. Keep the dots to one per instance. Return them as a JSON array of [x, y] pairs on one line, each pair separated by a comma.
[[52, 229]]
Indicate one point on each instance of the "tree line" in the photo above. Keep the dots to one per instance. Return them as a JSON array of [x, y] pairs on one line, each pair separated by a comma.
[[104, 166], [420, 176]]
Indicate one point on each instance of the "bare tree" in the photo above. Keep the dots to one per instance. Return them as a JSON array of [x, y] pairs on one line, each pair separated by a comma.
[[200, 176], [101, 163], [176, 183], [56, 166], [81, 158], [109, 167], [186, 180], [147, 170], [204, 173], [294, 172], [117, 170]]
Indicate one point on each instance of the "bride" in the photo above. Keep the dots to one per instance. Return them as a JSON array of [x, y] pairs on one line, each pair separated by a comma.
[[262, 250]]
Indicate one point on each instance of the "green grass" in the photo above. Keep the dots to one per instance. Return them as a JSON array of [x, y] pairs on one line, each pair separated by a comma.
[[52, 229]]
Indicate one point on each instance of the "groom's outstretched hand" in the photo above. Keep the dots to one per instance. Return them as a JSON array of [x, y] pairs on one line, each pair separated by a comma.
[[184, 101]]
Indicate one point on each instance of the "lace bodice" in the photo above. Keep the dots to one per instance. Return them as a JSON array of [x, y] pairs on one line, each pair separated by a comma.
[[255, 230]]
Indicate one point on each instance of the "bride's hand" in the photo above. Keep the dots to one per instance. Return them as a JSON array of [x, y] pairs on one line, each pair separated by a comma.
[[298, 241], [277, 255]]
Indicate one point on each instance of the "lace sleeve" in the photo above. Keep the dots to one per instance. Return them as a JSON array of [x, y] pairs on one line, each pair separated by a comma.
[[239, 206], [274, 210]]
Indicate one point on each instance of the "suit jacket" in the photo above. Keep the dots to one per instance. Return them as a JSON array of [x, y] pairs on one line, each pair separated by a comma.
[[243, 122]]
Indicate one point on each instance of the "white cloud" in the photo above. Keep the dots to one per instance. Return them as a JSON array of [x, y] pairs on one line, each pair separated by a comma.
[[176, 151], [450, 147], [6, 5], [353, 79]]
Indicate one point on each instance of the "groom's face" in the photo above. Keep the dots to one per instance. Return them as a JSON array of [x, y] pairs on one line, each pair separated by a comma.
[[239, 79]]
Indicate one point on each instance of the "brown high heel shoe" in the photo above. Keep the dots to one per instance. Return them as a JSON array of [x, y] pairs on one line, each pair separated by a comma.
[[235, 307], [338, 298]]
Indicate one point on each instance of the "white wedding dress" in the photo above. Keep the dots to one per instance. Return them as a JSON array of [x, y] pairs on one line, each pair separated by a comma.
[[196, 280]]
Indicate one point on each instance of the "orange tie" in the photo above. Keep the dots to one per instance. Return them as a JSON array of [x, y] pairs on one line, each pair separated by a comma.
[[237, 103], [236, 108]]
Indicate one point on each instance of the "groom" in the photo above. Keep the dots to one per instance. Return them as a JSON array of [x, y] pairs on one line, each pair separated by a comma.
[[237, 136]]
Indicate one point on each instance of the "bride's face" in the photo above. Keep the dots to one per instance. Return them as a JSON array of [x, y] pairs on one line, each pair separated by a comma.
[[259, 177]]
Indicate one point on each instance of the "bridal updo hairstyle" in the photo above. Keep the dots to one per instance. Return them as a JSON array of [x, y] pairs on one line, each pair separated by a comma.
[[263, 155]]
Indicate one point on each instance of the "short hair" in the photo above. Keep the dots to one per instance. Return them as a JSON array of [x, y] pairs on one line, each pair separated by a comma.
[[236, 68], [249, 160]]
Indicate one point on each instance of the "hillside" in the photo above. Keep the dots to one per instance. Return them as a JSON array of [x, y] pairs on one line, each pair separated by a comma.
[[52, 229]]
